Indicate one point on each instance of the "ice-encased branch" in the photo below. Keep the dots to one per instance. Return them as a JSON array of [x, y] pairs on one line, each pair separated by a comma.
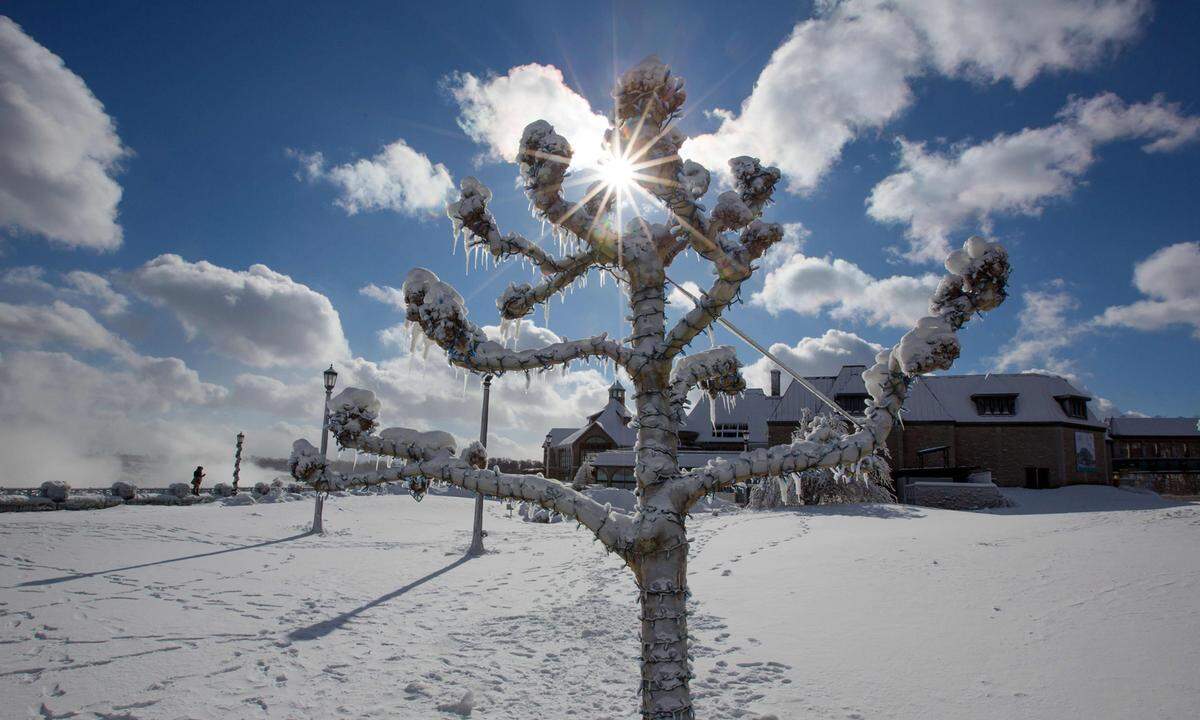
[[439, 311], [715, 371], [733, 267], [430, 456], [976, 283]]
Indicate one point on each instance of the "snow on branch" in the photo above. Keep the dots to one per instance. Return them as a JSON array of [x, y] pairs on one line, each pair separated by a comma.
[[976, 283], [440, 313], [716, 371], [733, 267], [430, 456]]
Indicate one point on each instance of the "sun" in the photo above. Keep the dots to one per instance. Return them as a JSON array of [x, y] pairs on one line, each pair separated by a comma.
[[617, 172]]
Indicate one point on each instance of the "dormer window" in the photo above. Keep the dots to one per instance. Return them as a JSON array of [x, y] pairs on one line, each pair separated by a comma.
[[736, 431], [993, 405], [853, 404], [1074, 407]]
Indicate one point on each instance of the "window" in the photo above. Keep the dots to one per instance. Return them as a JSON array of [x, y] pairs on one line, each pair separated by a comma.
[[1075, 407], [996, 404], [737, 431], [856, 404]]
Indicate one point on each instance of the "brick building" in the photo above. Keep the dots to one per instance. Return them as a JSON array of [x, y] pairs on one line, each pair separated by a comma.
[[1027, 429], [1162, 454]]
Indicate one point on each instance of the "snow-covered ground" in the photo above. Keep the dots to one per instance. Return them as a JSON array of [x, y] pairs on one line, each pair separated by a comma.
[[1078, 603]]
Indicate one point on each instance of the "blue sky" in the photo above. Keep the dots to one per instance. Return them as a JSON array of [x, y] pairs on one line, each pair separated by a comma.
[[1030, 125]]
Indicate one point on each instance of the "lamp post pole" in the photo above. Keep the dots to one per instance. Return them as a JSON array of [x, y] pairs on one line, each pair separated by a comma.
[[237, 462], [330, 378], [477, 531]]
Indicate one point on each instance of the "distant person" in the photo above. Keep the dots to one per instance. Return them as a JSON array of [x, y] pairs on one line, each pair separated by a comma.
[[197, 478]]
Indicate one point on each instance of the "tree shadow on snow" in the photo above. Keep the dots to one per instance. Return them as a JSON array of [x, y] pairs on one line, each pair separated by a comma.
[[197, 556], [324, 627], [870, 510]]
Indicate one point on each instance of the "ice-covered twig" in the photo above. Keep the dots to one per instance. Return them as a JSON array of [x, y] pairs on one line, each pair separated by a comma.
[[976, 283], [439, 311], [733, 268], [429, 456], [715, 371]]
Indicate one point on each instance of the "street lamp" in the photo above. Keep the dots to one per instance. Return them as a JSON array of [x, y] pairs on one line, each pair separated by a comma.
[[330, 381], [330, 376]]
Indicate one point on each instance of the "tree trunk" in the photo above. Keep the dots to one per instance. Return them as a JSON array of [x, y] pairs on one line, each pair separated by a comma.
[[317, 526], [666, 668]]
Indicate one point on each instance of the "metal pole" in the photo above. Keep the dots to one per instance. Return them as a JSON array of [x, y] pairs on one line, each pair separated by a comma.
[[477, 531], [318, 526]]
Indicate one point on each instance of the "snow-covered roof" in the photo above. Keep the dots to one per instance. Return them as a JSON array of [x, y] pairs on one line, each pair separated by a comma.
[[628, 458], [557, 434], [751, 409], [1155, 427], [613, 419], [948, 398]]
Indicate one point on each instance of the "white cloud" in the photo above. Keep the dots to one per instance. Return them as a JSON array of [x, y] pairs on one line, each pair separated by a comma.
[[62, 325], [936, 193], [681, 303], [386, 294], [1044, 329], [849, 69], [1170, 278], [94, 286], [59, 150], [66, 419], [495, 110], [398, 179], [258, 316], [809, 285], [824, 355]]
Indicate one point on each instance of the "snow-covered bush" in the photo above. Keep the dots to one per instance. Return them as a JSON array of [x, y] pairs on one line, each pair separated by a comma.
[[262, 488], [867, 481], [239, 499], [179, 490], [586, 475], [56, 490], [124, 490], [222, 490], [732, 238]]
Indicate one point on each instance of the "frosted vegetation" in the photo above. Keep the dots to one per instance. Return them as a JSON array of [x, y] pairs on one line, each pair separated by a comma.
[[732, 236]]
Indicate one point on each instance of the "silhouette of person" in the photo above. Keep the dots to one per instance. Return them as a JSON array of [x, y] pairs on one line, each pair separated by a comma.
[[197, 478]]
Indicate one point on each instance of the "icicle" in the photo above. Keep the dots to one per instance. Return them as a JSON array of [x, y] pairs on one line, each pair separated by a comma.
[[354, 465], [712, 411], [376, 463], [712, 336], [527, 381]]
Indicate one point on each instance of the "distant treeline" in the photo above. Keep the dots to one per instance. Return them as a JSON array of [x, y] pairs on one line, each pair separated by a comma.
[[507, 465]]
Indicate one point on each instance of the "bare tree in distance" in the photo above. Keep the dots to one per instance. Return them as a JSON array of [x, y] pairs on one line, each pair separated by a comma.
[[731, 236]]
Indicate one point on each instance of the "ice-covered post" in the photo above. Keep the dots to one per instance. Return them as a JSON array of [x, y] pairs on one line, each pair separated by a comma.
[[731, 237], [237, 462], [477, 530], [330, 379]]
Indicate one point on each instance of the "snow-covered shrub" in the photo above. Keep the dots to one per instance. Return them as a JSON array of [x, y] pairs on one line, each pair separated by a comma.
[[124, 490], [179, 490], [867, 481], [56, 490], [222, 490], [239, 499], [262, 488], [586, 475]]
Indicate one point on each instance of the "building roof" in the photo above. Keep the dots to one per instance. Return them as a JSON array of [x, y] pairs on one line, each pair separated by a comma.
[[948, 398], [752, 408], [557, 434], [613, 419], [1188, 427]]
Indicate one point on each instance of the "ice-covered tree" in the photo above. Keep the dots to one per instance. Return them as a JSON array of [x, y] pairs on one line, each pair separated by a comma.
[[731, 237]]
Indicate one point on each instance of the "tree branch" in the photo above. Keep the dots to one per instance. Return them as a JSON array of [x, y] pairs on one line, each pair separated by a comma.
[[438, 310], [977, 283], [733, 268], [428, 456], [717, 370]]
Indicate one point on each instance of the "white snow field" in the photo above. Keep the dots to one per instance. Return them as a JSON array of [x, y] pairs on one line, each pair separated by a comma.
[[1078, 603]]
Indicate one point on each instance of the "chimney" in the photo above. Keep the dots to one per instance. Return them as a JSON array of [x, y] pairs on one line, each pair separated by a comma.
[[774, 383]]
